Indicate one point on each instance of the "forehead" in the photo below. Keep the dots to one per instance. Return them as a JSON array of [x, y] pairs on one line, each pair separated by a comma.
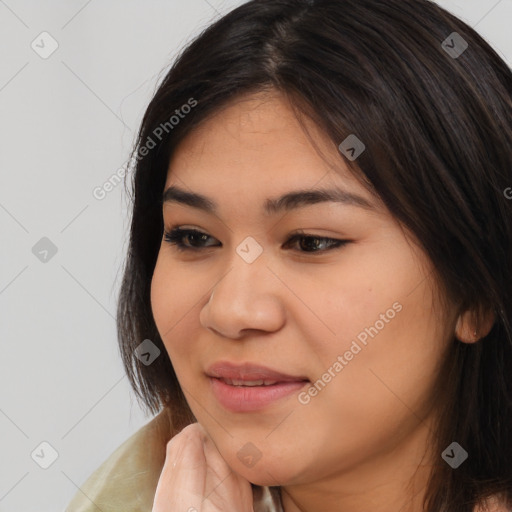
[[256, 143]]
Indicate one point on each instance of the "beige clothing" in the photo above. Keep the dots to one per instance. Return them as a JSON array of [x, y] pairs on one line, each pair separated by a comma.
[[126, 481]]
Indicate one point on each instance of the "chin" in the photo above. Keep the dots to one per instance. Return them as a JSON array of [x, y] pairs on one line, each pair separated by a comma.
[[265, 473], [263, 479]]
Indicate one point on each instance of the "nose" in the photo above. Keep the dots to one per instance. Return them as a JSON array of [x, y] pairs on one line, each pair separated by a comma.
[[246, 298]]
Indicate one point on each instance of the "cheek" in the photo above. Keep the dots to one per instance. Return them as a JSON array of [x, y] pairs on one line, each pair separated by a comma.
[[358, 304], [391, 354], [161, 299], [383, 292], [385, 330], [176, 304], [169, 302], [172, 296]]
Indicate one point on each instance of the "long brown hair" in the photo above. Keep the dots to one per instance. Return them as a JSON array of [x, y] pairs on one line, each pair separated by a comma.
[[437, 127]]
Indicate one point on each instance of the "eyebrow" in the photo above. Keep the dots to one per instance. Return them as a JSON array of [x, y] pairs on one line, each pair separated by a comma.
[[289, 201]]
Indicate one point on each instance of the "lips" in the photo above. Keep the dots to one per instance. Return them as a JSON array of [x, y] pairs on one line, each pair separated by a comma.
[[247, 372], [248, 387]]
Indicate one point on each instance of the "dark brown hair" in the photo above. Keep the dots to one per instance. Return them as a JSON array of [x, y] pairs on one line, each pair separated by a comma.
[[438, 135]]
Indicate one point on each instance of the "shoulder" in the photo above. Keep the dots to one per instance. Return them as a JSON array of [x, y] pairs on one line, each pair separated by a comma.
[[126, 481]]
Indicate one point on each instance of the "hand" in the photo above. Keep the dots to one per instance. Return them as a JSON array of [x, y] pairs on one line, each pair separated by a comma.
[[195, 477]]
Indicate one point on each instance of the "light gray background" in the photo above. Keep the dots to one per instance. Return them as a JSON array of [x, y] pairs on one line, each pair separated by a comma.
[[67, 124]]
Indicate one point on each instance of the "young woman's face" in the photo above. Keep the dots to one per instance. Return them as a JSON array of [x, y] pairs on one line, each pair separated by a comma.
[[355, 319]]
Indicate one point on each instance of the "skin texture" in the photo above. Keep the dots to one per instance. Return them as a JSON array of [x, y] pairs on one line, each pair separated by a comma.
[[360, 440]]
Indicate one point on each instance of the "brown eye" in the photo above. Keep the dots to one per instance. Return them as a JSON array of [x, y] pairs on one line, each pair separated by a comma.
[[176, 236], [316, 243]]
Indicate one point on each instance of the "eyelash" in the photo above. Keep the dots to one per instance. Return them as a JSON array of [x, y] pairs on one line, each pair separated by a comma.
[[175, 237]]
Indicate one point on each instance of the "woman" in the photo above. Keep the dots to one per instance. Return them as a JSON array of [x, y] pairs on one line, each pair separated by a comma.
[[318, 292]]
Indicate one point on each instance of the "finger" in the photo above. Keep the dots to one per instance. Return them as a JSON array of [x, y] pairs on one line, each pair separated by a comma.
[[181, 484], [216, 465], [224, 488]]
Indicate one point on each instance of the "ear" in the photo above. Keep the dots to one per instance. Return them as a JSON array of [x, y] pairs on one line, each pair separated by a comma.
[[472, 327]]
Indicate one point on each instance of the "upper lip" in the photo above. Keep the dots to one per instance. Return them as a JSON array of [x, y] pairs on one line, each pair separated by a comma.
[[248, 372]]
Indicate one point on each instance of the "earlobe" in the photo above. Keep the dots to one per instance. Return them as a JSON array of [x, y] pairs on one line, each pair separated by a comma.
[[465, 330], [470, 329]]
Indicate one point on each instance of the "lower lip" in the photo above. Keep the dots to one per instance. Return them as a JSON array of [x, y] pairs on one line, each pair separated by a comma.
[[254, 398]]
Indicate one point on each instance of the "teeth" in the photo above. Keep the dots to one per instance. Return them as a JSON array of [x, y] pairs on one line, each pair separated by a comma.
[[249, 383]]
